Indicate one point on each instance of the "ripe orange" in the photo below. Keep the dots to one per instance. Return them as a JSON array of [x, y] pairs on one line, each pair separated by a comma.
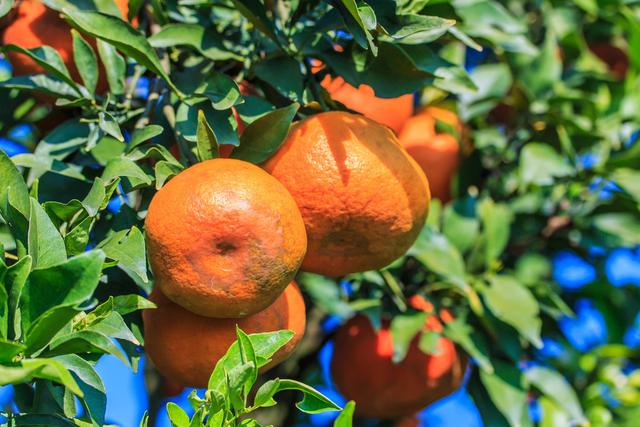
[[185, 347], [392, 112], [363, 371], [224, 238], [363, 198], [437, 154], [36, 25]]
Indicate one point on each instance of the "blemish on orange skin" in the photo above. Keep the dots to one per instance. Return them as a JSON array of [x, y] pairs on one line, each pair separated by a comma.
[[392, 112], [230, 204], [363, 198], [185, 347], [363, 371], [437, 154]]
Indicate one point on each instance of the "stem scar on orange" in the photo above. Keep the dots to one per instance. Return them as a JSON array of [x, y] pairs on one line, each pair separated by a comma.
[[224, 238], [363, 198]]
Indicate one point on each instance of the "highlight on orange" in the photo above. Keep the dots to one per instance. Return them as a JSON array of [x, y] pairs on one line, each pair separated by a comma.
[[436, 153]]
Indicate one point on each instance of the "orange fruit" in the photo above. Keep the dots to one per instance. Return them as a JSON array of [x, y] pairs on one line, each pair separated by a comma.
[[224, 238], [409, 421], [363, 371], [392, 112], [185, 347], [363, 198], [36, 25], [437, 154], [613, 56]]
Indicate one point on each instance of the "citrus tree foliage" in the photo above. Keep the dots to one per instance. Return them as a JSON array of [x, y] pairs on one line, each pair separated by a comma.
[[550, 163]]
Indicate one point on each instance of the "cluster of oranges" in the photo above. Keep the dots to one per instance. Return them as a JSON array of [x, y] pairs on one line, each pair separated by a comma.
[[345, 193]]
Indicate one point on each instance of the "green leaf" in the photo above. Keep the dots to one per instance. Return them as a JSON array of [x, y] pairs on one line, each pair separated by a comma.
[[264, 395], [14, 198], [325, 294], [265, 346], [140, 136], [539, 76], [255, 13], [86, 61], [247, 355], [206, 140], [349, 8], [460, 225], [86, 341], [470, 340], [222, 123], [15, 279], [496, 220], [125, 167], [440, 256], [540, 164], [507, 391], [204, 40], [41, 83], [48, 369], [283, 74], [46, 245], [125, 304], [557, 389], [220, 89], [552, 414], [63, 285], [514, 304], [313, 401], [4, 308], [264, 136], [127, 247], [404, 328], [345, 419], [420, 29], [90, 383], [110, 126], [114, 66], [49, 59], [629, 180], [177, 415], [5, 7], [9, 349], [76, 240], [121, 35], [621, 228]]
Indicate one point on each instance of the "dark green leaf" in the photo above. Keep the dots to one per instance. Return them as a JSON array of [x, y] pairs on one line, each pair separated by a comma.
[[506, 389], [206, 140], [264, 136], [114, 66], [127, 247], [204, 40], [46, 245], [86, 61], [404, 328], [90, 383], [121, 35], [557, 389], [514, 304]]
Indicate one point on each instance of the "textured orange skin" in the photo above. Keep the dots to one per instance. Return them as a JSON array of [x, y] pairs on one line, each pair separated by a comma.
[[613, 56], [36, 25], [392, 112], [185, 347], [363, 371], [363, 199], [437, 154], [224, 238]]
